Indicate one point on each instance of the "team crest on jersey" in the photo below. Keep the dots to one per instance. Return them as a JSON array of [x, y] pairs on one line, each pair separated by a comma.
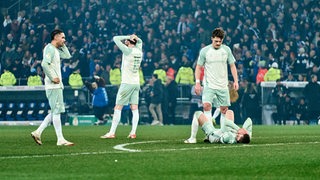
[[48, 56]]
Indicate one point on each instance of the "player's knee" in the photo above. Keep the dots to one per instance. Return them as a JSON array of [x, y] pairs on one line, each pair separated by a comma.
[[207, 107], [134, 107], [223, 109], [230, 115]]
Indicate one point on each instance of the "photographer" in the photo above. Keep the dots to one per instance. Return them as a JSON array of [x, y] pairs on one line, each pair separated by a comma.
[[99, 98]]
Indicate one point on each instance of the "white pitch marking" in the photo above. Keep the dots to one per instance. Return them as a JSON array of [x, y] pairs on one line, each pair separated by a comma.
[[122, 149]]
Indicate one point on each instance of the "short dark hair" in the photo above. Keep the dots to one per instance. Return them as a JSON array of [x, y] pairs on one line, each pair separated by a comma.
[[134, 41], [155, 76], [218, 32], [55, 32], [245, 139]]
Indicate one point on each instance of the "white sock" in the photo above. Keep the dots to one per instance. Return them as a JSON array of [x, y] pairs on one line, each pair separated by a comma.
[[135, 121], [208, 114], [222, 119], [194, 127], [115, 121], [44, 124], [57, 127], [216, 113]]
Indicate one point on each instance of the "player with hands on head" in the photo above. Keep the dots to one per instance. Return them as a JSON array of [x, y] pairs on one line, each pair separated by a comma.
[[128, 92]]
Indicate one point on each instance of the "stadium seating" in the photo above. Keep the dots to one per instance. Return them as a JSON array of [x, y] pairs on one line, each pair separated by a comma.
[[10, 109], [20, 111], [2, 111], [32, 110], [42, 110]]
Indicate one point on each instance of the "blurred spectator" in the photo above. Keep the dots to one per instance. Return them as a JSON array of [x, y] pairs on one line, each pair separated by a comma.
[[301, 111], [185, 74], [249, 102], [99, 98], [115, 74], [141, 77], [160, 72], [7, 78], [171, 93], [75, 79], [105, 74], [261, 72], [312, 95], [34, 79], [290, 78], [156, 100], [280, 92], [273, 73]]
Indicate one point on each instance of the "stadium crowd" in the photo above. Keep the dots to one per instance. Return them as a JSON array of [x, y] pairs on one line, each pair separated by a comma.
[[279, 36]]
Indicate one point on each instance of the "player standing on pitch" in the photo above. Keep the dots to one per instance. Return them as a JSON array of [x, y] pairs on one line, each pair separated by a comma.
[[51, 65], [215, 58], [128, 92]]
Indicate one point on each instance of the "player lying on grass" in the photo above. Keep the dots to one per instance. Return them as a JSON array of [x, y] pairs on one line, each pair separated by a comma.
[[229, 132]]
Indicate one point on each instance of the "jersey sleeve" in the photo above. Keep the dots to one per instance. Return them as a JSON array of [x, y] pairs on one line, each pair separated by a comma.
[[231, 59], [64, 52], [202, 57], [139, 44], [125, 50], [48, 55]]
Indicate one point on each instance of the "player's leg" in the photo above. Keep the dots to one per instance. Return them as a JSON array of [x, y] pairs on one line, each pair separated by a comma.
[[135, 121], [194, 129], [121, 100], [36, 135], [216, 113], [57, 107], [44, 124], [223, 101], [247, 125], [134, 101], [207, 98], [159, 112], [115, 121], [153, 113]]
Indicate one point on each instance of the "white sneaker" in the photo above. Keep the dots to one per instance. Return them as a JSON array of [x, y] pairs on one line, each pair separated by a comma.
[[190, 141], [65, 143], [36, 137], [108, 136], [155, 122]]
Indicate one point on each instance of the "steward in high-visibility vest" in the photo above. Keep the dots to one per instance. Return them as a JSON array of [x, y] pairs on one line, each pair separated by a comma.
[[7, 79], [34, 80], [75, 80]]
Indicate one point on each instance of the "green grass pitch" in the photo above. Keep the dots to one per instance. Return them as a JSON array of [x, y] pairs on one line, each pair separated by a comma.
[[275, 152]]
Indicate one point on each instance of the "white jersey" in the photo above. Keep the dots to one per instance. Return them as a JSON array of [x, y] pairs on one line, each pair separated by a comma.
[[215, 63], [51, 65], [131, 60]]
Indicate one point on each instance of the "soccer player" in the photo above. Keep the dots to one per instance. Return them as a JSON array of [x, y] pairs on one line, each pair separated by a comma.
[[229, 132], [128, 92], [214, 58], [51, 65]]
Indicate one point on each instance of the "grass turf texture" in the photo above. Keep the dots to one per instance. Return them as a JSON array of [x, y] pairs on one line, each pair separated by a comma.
[[275, 152]]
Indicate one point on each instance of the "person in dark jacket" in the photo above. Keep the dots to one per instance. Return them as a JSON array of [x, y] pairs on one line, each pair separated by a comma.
[[312, 95], [156, 100], [99, 98], [280, 92], [170, 100]]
